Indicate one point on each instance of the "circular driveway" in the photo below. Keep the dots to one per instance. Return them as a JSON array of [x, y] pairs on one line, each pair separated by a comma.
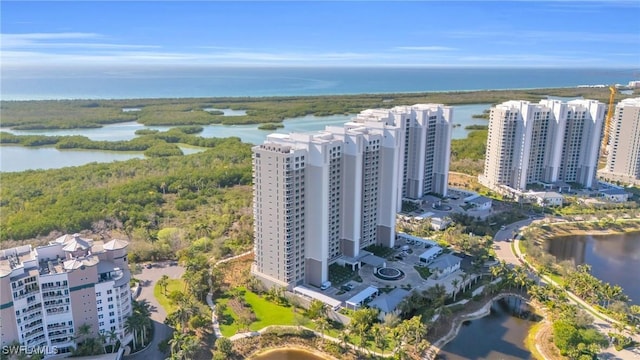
[[148, 279]]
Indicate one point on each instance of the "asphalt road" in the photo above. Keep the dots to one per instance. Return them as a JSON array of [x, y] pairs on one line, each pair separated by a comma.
[[148, 279]]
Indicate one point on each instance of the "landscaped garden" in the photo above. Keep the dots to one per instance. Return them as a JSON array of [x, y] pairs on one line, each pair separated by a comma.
[[245, 310], [381, 251], [163, 293], [339, 275]]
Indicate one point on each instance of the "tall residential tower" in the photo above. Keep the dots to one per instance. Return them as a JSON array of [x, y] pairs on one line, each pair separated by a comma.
[[623, 159], [48, 293], [548, 142], [322, 197]]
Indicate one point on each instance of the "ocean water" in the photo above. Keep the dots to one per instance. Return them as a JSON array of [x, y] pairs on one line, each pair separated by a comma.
[[122, 83]]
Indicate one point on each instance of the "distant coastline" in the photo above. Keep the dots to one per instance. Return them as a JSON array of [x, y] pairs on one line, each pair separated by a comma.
[[260, 82]]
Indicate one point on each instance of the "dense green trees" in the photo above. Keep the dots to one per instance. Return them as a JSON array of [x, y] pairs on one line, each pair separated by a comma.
[[133, 196], [467, 155]]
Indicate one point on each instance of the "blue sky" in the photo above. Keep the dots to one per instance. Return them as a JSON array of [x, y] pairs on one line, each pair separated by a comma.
[[46, 35]]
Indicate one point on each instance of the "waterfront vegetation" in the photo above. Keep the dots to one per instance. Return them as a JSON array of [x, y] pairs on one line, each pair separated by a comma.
[[605, 298], [203, 195], [476, 127], [152, 142], [270, 126], [67, 114], [467, 155]]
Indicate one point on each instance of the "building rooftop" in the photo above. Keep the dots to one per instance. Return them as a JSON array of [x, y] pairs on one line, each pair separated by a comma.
[[431, 252], [630, 102], [77, 263], [445, 261], [389, 302], [546, 194], [614, 191], [318, 296], [14, 258], [375, 261], [479, 200], [75, 244], [115, 244], [358, 298]]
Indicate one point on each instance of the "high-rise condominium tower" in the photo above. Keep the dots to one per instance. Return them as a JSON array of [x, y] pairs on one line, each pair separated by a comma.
[[323, 196], [546, 142], [48, 293], [623, 159]]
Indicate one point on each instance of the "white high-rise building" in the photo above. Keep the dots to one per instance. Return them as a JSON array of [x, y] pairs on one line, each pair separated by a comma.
[[551, 141], [324, 196], [623, 159], [426, 145]]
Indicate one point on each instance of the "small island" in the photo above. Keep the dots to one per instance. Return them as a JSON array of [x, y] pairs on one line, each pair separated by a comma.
[[270, 126]]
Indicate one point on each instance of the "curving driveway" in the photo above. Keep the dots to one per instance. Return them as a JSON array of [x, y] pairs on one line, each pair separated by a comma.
[[148, 279]]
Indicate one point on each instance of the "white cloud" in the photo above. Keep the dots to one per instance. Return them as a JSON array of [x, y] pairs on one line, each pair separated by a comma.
[[426, 48], [32, 41], [22, 51], [547, 36]]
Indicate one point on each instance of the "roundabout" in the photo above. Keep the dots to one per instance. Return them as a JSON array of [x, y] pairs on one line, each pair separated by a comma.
[[389, 274]]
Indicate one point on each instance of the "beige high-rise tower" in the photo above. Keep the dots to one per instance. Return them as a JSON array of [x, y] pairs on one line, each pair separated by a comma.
[[623, 159], [321, 197]]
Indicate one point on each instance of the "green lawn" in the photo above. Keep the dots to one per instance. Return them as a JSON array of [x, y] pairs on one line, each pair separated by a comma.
[[267, 313], [174, 284], [423, 271]]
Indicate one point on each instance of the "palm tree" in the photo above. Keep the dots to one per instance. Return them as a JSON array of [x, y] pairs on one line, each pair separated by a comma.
[[379, 333], [131, 324], [344, 338], [145, 323], [112, 337], [316, 309], [175, 344], [83, 332], [464, 277], [102, 337], [322, 323], [455, 283], [495, 272], [189, 347], [163, 282]]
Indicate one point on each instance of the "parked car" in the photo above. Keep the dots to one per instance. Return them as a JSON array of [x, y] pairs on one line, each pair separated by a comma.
[[149, 265]]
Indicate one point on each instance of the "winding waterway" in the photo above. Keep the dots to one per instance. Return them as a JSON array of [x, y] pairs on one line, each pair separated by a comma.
[[613, 258], [499, 335], [18, 158]]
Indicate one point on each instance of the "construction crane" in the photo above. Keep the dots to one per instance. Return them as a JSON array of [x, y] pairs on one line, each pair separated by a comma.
[[607, 121]]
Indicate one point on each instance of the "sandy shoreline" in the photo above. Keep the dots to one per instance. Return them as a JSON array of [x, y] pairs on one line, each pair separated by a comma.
[[263, 352]]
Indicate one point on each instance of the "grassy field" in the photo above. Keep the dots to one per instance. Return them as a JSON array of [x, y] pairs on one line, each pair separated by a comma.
[[267, 313], [165, 302]]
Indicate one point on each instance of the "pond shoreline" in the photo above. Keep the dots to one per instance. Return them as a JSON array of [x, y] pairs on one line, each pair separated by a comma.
[[296, 347], [459, 320]]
